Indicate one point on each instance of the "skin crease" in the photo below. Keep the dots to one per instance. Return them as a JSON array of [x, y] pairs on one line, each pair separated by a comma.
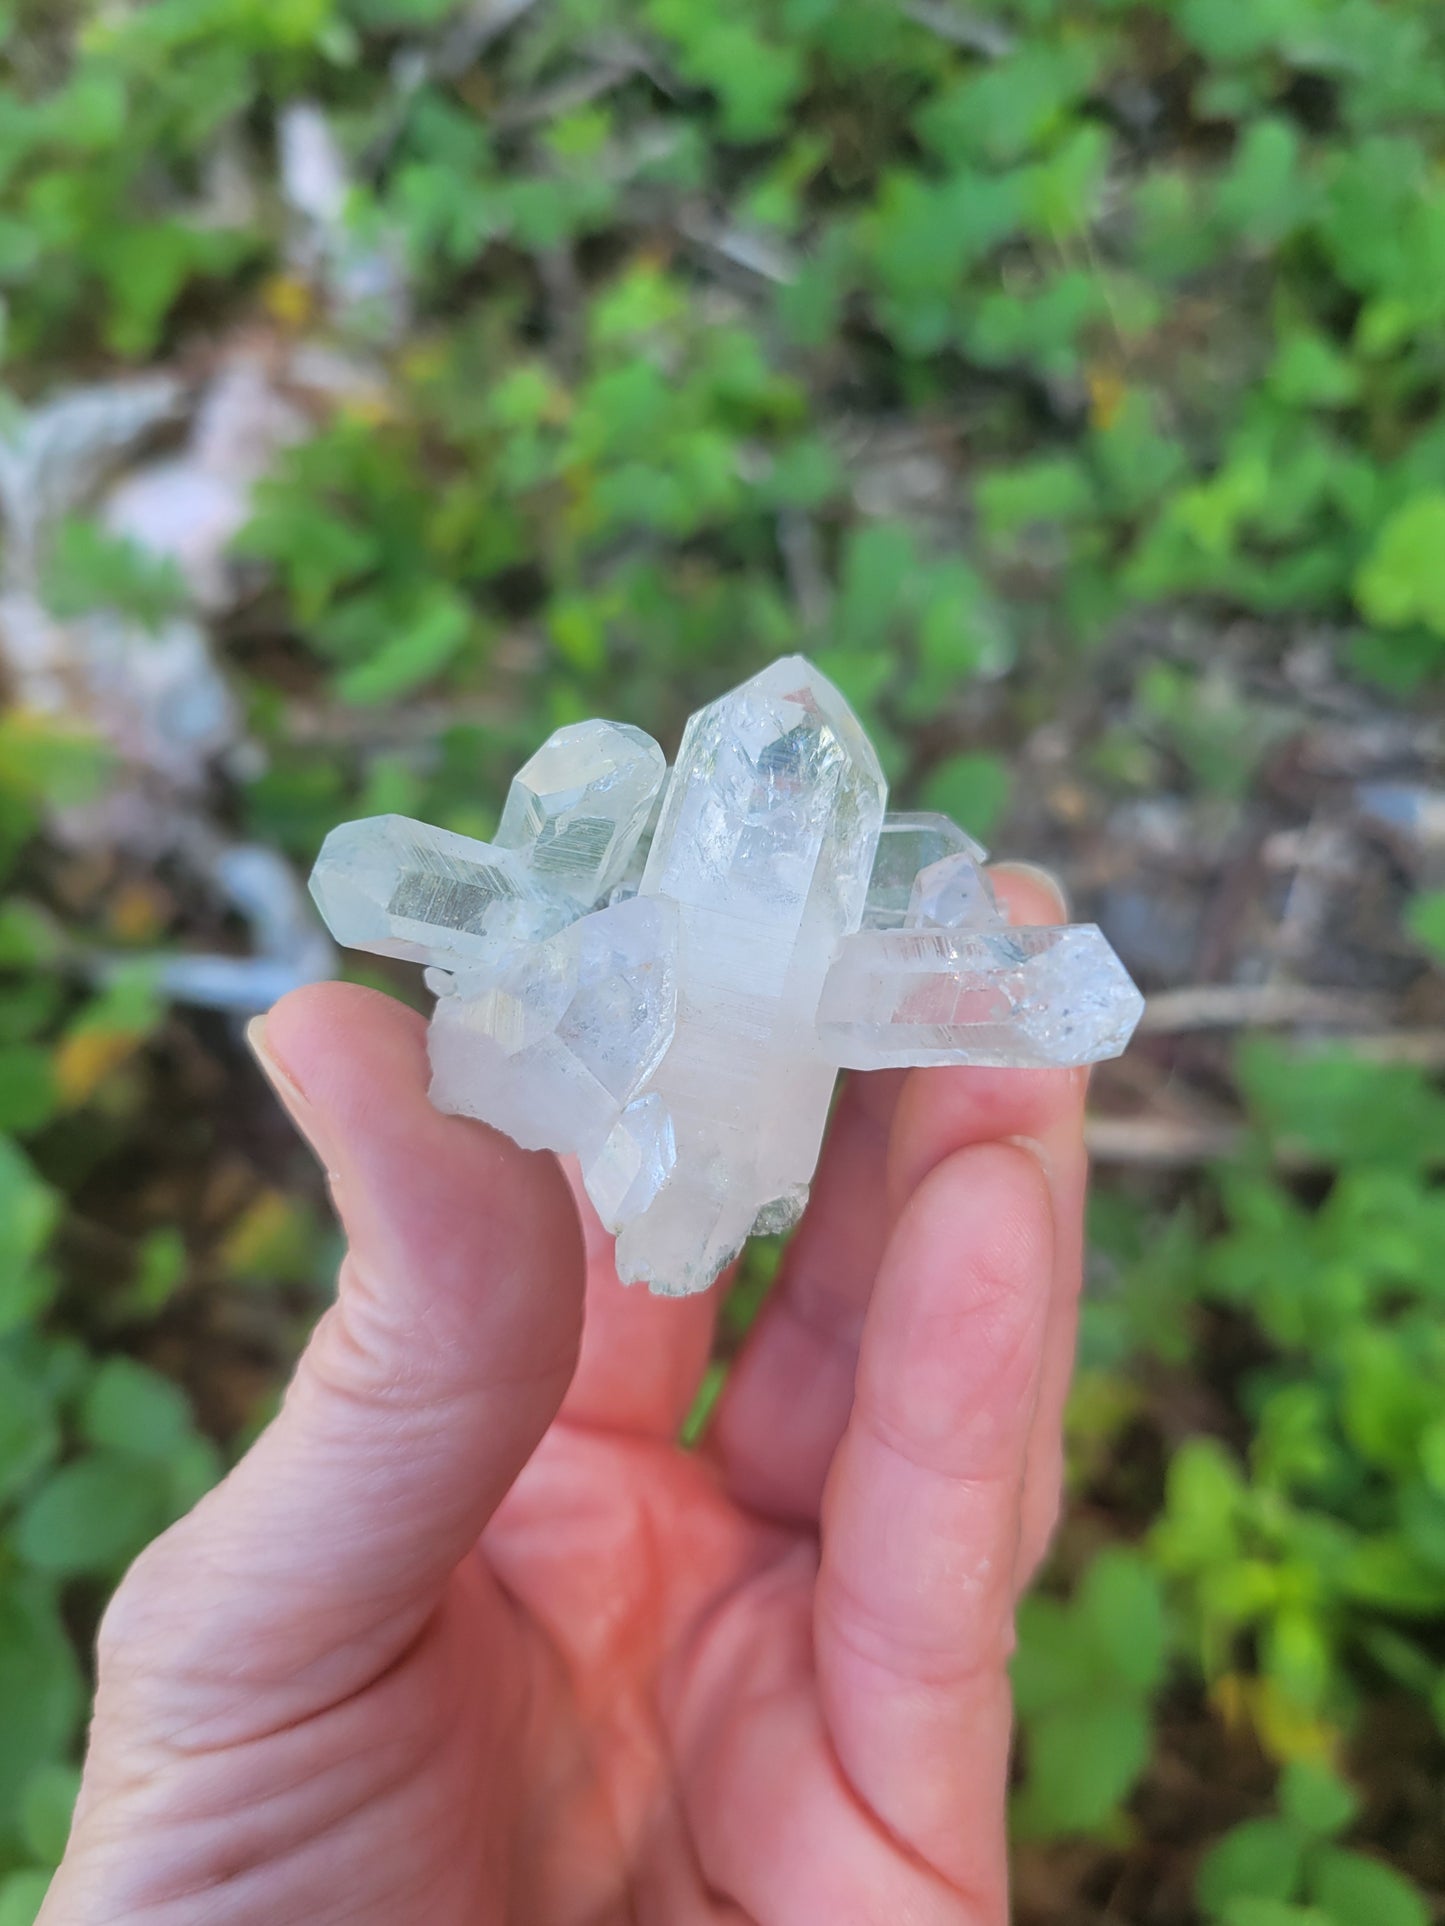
[[466, 1639]]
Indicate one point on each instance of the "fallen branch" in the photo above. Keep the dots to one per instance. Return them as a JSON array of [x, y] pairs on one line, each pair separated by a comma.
[[1258, 1006]]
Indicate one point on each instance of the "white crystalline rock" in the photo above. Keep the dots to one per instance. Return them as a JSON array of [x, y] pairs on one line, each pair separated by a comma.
[[662, 975], [554, 1046]]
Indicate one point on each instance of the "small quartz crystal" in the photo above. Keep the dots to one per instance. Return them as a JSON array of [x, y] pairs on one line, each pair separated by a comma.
[[662, 975]]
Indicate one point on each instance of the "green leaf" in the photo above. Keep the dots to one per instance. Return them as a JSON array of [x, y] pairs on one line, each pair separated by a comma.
[[135, 1411], [49, 762], [1251, 1911], [1050, 489], [1121, 1601], [1224, 31], [1083, 1760], [973, 789], [28, 1094], [1316, 1799], [1402, 579], [1053, 1665], [46, 1808], [1385, 1573], [40, 1687], [160, 1269], [29, 1434], [91, 1517], [22, 1894], [1346, 1110], [1310, 372], [1261, 1859], [29, 1209], [1425, 920], [88, 568], [28, 937], [428, 640], [1263, 197], [1013, 106], [1351, 1889]]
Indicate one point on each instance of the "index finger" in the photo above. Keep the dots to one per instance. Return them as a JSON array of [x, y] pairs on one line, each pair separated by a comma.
[[787, 1400]]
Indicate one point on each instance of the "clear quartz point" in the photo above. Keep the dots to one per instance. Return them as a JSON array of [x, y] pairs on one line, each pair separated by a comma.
[[765, 844], [662, 975], [576, 812], [1015, 998], [402, 888]]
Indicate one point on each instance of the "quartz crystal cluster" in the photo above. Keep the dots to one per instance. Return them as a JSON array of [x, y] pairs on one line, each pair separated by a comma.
[[662, 974]]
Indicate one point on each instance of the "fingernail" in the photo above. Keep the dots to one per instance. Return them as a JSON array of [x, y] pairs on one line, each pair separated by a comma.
[[1044, 879], [1038, 1151], [293, 1097]]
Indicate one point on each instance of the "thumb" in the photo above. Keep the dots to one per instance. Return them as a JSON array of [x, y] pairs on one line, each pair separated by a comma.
[[423, 1392]]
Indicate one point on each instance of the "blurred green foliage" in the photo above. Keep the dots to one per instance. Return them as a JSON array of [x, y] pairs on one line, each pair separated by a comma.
[[694, 347]]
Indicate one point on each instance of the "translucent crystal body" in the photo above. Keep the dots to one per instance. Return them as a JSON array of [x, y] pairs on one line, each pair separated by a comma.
[[765, 844], [552, 1045], [673, 1008], [1018, 998], [402, 888], [910, 842], [576, 811], [950, 895]]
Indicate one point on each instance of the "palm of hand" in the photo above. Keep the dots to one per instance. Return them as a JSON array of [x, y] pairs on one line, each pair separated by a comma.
[[468, 1638]]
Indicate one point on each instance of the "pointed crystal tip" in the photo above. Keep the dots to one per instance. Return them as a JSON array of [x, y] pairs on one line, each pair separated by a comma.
[[578, 809], [403, 888]]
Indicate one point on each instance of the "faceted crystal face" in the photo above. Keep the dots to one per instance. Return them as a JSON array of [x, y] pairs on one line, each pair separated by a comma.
[[553, 1047], [910, 843], [663, 975], [951, 895], [577, 810], [635, 1161]]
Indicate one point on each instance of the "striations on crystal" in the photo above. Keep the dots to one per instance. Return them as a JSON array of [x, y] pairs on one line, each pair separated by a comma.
[[662, 975], [402, 888], [576, 812]]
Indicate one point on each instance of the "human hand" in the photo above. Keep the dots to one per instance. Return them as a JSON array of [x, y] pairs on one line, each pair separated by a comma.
[[467, 1637]]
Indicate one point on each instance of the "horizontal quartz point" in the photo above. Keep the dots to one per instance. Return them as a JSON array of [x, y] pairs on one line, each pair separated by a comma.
[[403, 888], [910, 842], [661, 975], [577, 811], [1011, 998]]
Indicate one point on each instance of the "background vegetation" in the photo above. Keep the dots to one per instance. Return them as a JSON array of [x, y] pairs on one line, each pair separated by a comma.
[[1064, 376]]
